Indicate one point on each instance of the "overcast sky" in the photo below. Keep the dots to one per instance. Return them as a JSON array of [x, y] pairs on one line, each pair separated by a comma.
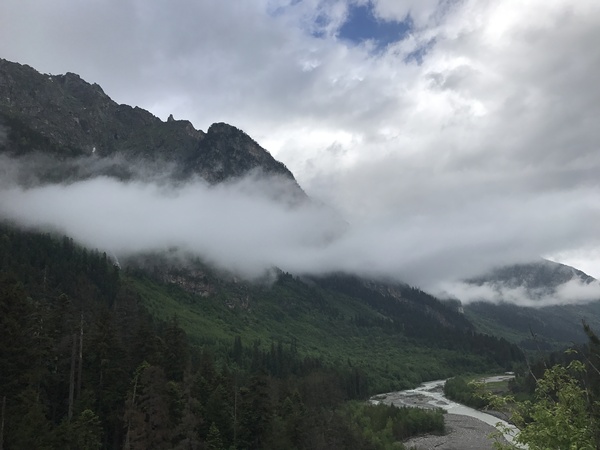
[[451, 135]]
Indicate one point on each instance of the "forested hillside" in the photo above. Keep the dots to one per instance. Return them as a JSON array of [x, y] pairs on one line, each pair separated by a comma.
[[94, 356], [65, 117], [533, 307]]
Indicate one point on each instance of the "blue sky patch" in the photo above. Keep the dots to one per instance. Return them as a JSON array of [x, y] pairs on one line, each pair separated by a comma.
[[362, 25], [321, 23]]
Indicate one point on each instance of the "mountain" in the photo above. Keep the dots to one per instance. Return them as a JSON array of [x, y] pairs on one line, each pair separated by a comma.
[[167, 352], [72, 130], [78, 334], [539, 279], [66, 120], [540, 305], [65, 117]]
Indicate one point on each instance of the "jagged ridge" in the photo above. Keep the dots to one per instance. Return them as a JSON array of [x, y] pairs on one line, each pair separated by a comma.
[[65, 116]]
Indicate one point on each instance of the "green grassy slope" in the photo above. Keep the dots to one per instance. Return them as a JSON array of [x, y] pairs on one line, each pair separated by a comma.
[[398, 345], [396, 336], [534, 329]]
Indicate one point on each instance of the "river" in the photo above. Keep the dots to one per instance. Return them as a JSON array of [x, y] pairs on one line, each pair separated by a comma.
[[431, 395]]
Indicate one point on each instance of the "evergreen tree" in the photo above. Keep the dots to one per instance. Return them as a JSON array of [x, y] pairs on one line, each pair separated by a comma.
[[175, 353], [16, 344], [218, 412], [28, 425], [186, 433], [213, 439], [147, 415], [255, 417], [87, 431]]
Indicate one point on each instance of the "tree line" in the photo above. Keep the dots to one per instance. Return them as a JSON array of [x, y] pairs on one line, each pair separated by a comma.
[[85, 366], [554, 401]]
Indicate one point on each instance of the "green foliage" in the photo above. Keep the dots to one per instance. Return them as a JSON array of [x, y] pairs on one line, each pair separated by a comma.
[[554, 327], [462, 391], [28, 424], [559, 418], [386, 426], [269, 366], [213, 439], [256, 409], [563, 414], [87, 431], [393, 344]]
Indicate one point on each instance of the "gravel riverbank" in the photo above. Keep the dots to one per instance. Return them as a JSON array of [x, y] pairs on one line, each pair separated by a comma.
[[462, 433], [466, 428]]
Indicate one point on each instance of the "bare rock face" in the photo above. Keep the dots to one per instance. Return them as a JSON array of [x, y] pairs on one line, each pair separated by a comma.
[[66, 117], [227, 152]]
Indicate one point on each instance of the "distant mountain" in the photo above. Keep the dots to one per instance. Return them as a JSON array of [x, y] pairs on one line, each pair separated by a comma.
[[539, 305], [65, 117], [537, 278]]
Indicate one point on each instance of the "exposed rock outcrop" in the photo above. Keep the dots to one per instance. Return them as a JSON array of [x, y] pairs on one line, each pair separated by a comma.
[[65, 117]]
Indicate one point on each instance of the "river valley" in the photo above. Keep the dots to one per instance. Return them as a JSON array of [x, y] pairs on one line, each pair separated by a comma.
[[467, 428]]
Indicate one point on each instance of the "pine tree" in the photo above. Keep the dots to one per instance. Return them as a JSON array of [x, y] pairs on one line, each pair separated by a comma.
[[149, 424], [213, 439], [176, 352], [87, 431], [256, 411], [29, 427]]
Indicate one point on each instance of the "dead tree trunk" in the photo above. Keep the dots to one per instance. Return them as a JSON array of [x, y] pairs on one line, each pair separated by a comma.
[[2, 423], [80, 361], [72, 378]]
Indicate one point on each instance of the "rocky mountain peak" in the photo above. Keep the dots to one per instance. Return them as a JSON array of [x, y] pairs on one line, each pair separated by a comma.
[[65, 116], [232, 153], [222, 128]]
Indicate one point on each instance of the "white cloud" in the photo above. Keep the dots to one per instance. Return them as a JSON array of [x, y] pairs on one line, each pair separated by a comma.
[[574, 291], [240, 225], [249, 225], [484, 153], [420, 11]]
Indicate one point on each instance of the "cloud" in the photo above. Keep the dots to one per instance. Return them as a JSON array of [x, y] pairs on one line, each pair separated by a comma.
[[240, 225], [35, 169], [249, 226], [585, 258], [574, 291], [482, 153], [420, 11]]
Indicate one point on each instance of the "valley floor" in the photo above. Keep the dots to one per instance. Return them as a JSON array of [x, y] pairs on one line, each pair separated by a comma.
[[466, 428], [463, 433]]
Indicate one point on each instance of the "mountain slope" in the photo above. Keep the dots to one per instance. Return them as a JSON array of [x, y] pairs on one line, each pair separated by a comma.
[[66, 129], [402, 335], [178, 355], [66, 117], [398, 335], [537, 305], [538, 278]]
